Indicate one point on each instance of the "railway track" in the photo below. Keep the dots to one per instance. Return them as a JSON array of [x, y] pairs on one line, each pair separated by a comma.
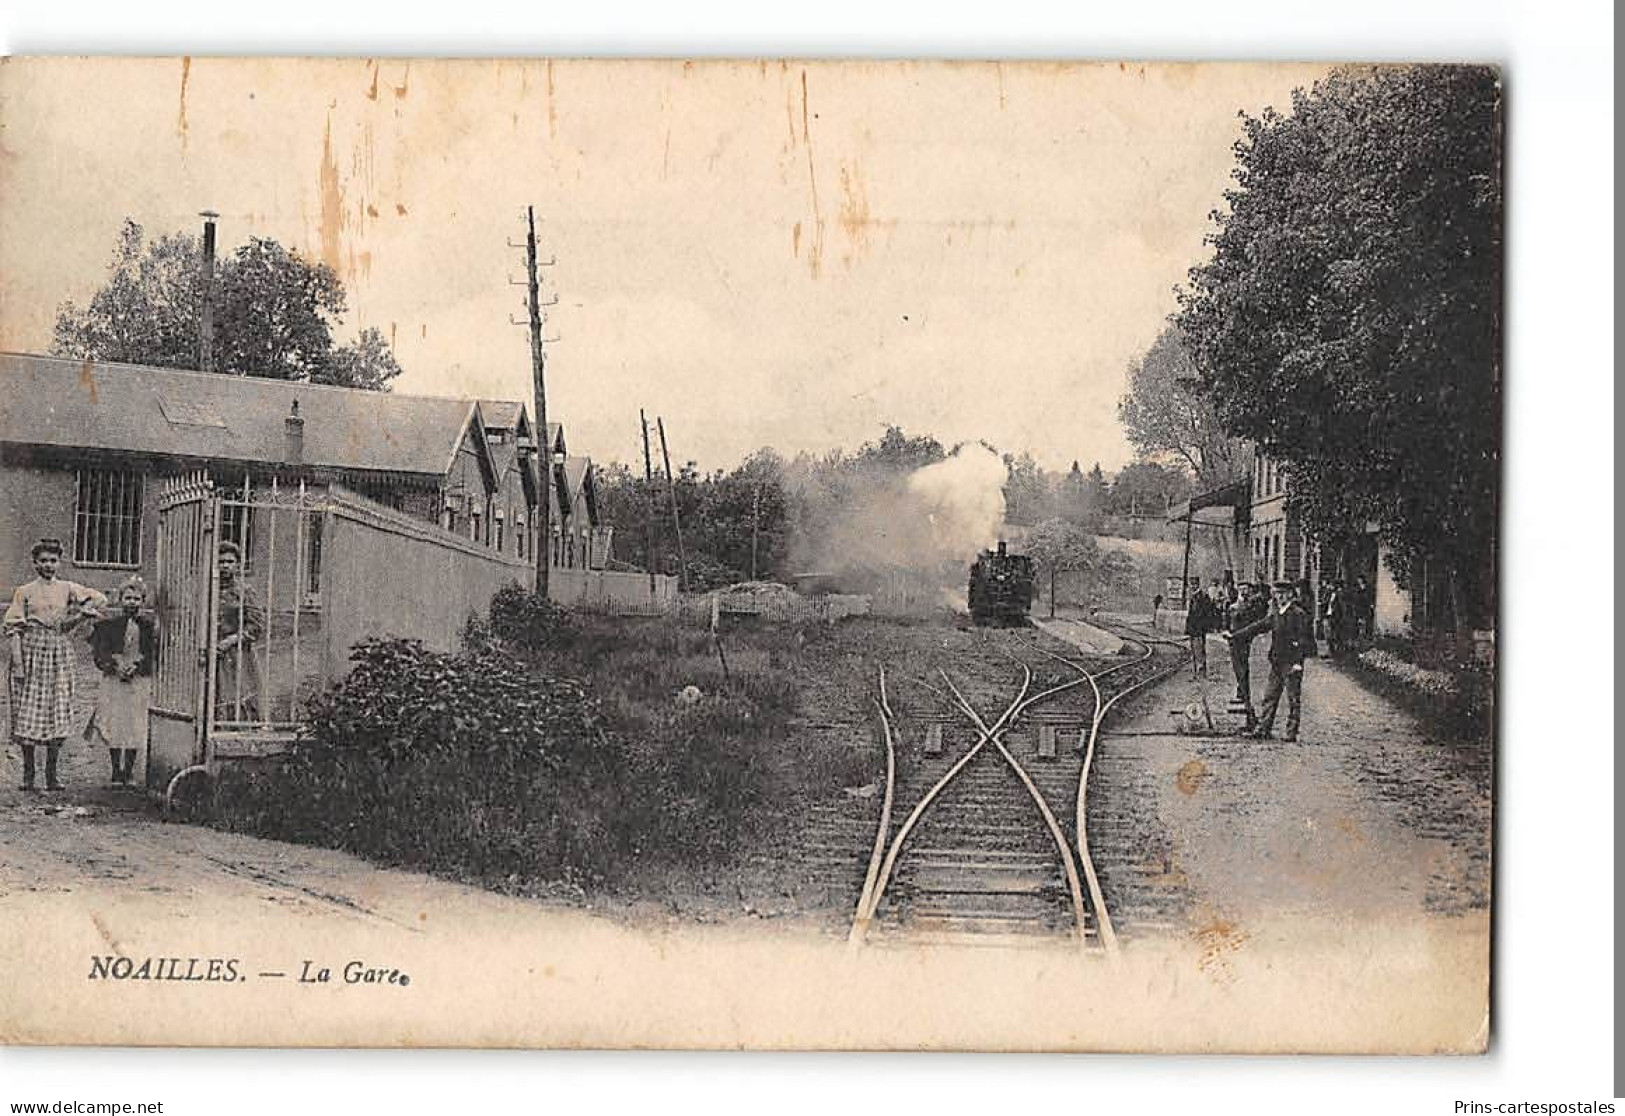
[[982, 836]]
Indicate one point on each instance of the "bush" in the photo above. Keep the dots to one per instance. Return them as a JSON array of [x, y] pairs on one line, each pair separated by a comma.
[[482, 765], [443, 761], [530, 621]]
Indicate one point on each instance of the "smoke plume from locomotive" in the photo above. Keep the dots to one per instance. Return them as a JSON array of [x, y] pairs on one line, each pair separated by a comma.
[[924, 527], [963, 498]]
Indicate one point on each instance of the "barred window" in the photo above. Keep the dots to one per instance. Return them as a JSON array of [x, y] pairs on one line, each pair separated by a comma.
[[313, 553], [237, 525], [107, 518]]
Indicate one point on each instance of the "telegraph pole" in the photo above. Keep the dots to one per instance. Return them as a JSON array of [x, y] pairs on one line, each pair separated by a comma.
[[649, 487], [205, 361], [755, 521], [538, 366], [676, 520]]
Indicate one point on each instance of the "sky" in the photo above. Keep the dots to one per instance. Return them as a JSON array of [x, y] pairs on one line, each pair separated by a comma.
[[764, 254]]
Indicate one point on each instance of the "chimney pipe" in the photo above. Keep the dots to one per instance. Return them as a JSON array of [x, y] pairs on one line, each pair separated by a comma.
[[295, 426], [206, 326]]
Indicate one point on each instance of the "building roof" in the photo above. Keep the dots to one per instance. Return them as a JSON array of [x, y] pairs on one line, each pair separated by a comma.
[[1229, 496], [48, 401], [501, 414], [576, 470], [506, 456], [577, 473]]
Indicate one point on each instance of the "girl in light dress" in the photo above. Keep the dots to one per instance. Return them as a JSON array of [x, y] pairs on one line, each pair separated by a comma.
[[42, 614], [124, 646]]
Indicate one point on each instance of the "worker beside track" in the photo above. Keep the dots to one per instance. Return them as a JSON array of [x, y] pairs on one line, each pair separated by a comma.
[[1291, 641], [1201, 617], [1252, 606]]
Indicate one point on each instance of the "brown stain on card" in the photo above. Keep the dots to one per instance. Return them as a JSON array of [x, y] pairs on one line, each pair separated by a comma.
[[815, 249], [106, 934], [332, 197], [1190, 776], [87, 377], [855, 217], [552, 105], [1218, 939], [180, 122]]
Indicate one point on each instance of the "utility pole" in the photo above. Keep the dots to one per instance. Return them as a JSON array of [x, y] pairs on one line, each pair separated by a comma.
[[1185, 577], [538, 367], [755, 520], [676, 520], [649, 487], [205, 362]]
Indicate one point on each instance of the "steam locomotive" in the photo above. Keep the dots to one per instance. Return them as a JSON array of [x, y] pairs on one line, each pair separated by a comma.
[[1001, 587]]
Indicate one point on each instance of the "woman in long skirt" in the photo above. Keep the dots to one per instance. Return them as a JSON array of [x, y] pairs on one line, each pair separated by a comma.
[[125, 647], [42, 614]]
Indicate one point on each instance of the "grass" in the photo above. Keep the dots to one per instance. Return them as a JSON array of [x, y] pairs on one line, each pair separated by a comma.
[[1453, 698], [606, 759]]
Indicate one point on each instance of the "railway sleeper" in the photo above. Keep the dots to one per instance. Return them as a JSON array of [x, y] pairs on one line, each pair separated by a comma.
[[920, 884], [979, 924]]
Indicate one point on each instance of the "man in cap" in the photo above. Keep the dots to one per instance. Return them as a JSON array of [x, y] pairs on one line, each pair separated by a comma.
[[1291, 641], [1253, 606]]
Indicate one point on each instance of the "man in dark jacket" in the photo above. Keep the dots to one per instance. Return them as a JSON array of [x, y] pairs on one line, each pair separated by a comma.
[[1291, 641], [1360, 602], [1201, 617], [1252, 606], [1334, 616]]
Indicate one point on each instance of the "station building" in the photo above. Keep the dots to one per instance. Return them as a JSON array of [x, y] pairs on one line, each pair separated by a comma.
[[1255, 525], [86, 445]]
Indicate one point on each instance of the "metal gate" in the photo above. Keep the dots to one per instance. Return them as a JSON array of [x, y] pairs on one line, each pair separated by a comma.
[[187, 512], [240, 650]]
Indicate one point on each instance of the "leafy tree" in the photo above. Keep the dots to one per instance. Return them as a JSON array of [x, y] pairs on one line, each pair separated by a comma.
[[367, 362], [1074, 502], [722, 515], [1027, 495], [1166, 414], [897, 451], [1146, 488], [1057, 546], [275, 313], [1096, 487], [623, 504], [148, 310], [1349, 319]]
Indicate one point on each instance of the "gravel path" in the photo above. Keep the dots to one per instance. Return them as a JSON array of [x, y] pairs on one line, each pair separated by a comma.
[[1363, 822]]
